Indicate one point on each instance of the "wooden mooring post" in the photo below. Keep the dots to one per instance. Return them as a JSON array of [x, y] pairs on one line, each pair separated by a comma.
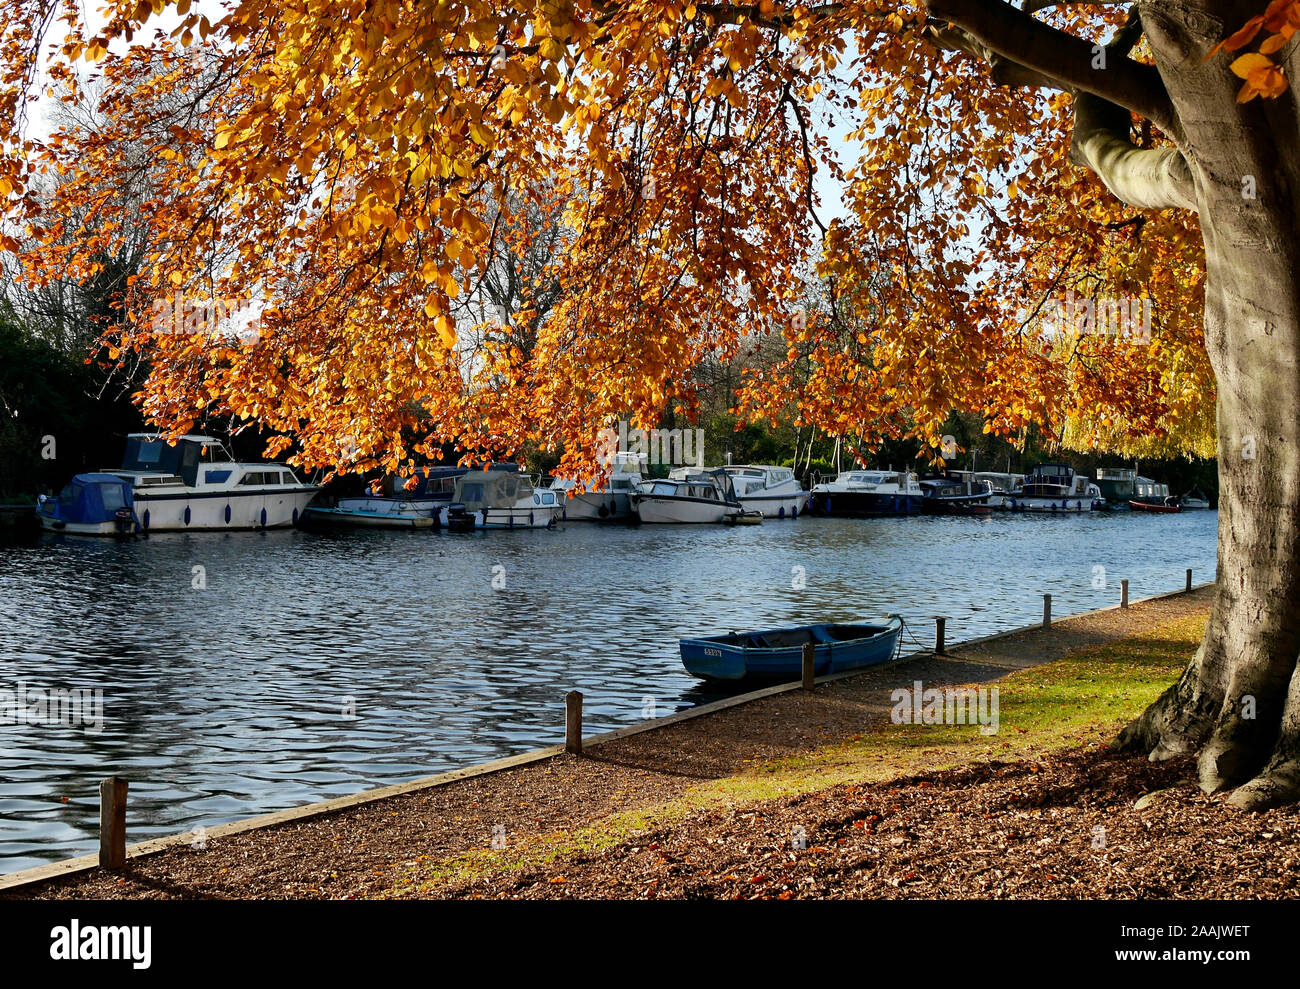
[[939, 624], [1047, 611], [1123, 593], [573, 722], [1188, 588], [809, 661], [112, 823]]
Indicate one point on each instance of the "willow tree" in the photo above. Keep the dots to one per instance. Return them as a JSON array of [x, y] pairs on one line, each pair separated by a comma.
[[355, 164]]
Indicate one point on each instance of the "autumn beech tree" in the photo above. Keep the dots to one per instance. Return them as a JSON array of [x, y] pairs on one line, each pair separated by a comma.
[[1006, 175]]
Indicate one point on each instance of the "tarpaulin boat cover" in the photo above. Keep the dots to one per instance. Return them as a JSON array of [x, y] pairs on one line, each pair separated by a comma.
[[94, 498], [482, 489]]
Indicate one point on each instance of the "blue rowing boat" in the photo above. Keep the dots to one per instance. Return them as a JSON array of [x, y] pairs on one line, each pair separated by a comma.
[[778, 653]]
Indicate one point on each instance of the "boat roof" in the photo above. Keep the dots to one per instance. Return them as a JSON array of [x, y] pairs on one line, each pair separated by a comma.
[[99, 478]]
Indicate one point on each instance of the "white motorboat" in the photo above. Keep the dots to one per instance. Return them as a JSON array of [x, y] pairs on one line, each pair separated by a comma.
[[490, 499], [195, 484], [1003, 487], [613, 502], [690, 495], [863, 493], [1055, 489], [773, 492], [400, 503]]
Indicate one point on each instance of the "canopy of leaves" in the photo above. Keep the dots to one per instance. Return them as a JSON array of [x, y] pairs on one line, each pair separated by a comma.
[[355, 167]]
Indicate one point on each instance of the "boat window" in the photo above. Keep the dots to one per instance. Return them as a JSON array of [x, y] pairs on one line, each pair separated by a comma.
[[216, 476], [149, 452], [252, 477], [112, 496], [472, 492], [287, 478]]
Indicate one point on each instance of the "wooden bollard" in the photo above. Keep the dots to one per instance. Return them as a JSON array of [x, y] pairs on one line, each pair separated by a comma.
[[573, 722], [809, 661], [1123, 593], [1047, 611], [1188, 588], [112, 823], [938, 635]]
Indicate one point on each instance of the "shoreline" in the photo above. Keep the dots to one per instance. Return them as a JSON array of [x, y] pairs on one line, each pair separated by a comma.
[[643, 751]]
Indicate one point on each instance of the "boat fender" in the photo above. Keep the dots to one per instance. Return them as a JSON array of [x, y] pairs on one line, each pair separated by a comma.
[[145, 520], [227, 515], [530, 518], [295, 516], [603, 511], [780, 513], [263, 518], [187, 514]]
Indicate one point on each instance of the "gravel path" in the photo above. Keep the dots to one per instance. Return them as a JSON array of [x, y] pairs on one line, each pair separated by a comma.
[[365, 851]]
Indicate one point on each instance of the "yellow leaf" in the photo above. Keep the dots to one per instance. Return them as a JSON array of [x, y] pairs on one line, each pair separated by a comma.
[[446, 331], [1248, 63]]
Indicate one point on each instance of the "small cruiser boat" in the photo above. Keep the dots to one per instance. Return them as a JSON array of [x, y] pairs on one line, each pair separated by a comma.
[[953, 496], [1194, 499], [1155, 508], [399, 504], [1055, 489], [687, 495], [194, 483], [779, 652], [865, 493], [613, 502], [490, 499], [90, 505], [773, 492], [1003, 487]]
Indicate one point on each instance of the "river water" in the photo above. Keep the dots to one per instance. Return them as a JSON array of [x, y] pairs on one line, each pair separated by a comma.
[[249, 672]]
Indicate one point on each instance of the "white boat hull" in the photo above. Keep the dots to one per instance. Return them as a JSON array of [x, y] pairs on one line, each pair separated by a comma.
[[261, 509], [592, 506], [1051, 506], [506, 518], [361, 518], [83, 528], [776, 507], [679, 511]]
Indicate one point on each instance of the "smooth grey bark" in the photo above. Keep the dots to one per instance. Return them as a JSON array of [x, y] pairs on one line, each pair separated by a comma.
[[1237, 705]]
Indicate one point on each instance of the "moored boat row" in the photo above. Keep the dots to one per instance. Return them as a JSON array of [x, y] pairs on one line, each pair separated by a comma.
[[194, 484]]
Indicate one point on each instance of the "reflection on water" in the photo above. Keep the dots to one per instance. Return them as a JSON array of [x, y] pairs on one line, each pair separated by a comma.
[[232, 700]]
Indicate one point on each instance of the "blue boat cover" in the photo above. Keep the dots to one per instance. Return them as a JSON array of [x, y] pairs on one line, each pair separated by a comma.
[[94, 498]]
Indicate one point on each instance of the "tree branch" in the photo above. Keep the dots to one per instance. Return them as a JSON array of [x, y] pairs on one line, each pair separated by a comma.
[[1156, 179], [1064, 60]]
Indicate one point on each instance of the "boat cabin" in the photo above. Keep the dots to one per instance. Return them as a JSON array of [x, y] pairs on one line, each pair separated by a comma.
[[1054, 481]]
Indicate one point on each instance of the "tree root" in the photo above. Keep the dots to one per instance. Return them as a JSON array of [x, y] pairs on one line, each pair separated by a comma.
[[1275, 787]]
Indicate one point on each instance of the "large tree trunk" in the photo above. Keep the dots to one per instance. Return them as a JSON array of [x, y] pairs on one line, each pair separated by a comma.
[[1238, 702]]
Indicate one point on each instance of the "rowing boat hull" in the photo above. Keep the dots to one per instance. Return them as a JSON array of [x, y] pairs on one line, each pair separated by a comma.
[[715, 659]]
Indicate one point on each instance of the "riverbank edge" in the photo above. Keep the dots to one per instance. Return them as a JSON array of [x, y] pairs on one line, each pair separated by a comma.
[[40, 875]]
